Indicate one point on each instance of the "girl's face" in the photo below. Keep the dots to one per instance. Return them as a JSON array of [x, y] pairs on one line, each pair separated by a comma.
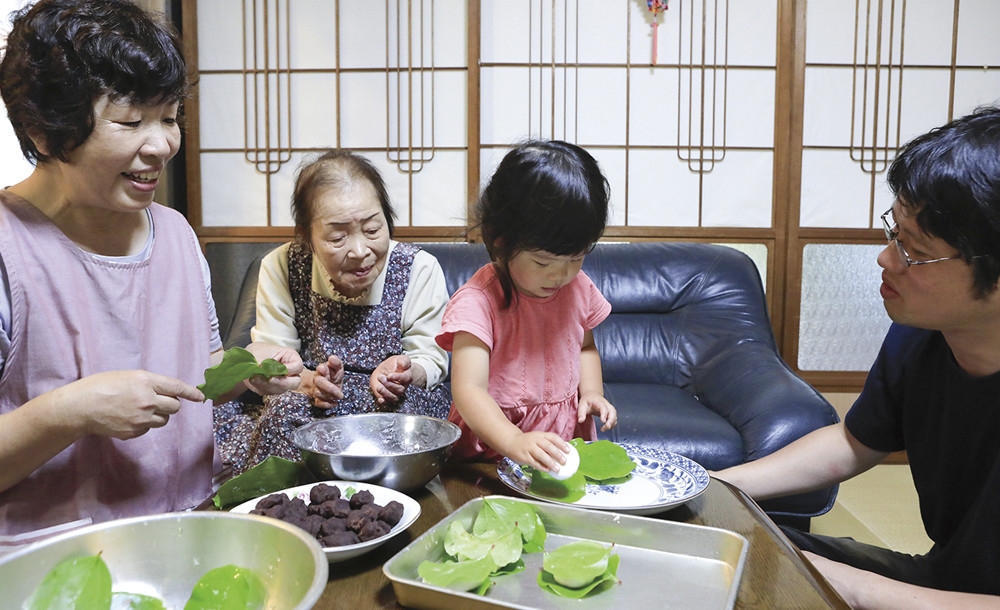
[[119, 165], [541, 274], [350, 236]]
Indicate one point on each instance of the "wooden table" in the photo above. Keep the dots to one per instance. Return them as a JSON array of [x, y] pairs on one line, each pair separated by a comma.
[[775, 574]]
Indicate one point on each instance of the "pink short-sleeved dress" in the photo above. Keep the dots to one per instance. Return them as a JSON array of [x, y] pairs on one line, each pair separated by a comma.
[[534, 353]]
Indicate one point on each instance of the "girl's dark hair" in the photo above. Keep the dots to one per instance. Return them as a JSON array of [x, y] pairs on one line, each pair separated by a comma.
[[545, 195], [62, 55], [336, 169], [950, 178]]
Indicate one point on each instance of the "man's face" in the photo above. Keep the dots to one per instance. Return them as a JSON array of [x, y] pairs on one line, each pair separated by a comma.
[[937, 296]]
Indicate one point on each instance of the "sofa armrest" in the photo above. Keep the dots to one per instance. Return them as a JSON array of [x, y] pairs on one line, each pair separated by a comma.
[[760, 396], [770, 406]]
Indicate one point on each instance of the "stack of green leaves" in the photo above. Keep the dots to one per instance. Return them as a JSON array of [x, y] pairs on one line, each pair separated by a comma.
[[502, 530], [84, 583], [601, 463], [579, 568]]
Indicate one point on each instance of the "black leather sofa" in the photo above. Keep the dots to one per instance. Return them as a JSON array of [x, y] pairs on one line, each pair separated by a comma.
[[689, 356]]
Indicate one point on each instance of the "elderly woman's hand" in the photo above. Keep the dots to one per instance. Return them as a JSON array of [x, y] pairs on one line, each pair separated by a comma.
[[275, 385], [393, 376], [324, 385]]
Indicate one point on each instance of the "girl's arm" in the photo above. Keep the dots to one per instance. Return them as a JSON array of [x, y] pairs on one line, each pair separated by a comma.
[[592, 401], [470, 373]]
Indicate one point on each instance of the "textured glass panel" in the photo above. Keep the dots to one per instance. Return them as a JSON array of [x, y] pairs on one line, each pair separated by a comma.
[[232, 191], [738, 190], [841, 320]]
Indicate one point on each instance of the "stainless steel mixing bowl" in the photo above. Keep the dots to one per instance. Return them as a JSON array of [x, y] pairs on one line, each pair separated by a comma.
[[164, 555], [395, 450]]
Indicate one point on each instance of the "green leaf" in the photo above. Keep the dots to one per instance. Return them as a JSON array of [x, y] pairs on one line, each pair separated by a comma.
[[82, 583], [228, 587], [603, 461], [273, 474], [135, 601], [458, 575], [237, 364], [499, 513], [569, 490], [578, 569]]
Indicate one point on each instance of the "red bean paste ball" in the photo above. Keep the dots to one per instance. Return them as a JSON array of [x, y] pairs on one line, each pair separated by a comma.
[[330, 517]]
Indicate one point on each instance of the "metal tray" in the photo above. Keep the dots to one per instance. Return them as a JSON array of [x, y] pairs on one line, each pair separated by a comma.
[[663, 563]]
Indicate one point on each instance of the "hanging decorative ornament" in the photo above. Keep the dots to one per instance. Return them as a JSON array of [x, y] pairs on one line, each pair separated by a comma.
[[656, 7]]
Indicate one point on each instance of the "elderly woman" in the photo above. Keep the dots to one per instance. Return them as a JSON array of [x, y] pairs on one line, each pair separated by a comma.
[[106, 318], [360, 308]]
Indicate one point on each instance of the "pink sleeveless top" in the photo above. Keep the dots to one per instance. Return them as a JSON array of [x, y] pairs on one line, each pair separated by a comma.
[[75, 315], [534, 354]]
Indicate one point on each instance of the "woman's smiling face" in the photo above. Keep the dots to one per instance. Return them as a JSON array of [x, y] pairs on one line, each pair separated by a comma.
[[350, 236], [118, 166]]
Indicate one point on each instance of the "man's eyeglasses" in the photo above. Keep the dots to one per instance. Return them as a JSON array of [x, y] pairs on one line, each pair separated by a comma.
[[892, 232]]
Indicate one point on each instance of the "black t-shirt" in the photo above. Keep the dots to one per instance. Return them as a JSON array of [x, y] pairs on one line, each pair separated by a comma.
[[917, 398]]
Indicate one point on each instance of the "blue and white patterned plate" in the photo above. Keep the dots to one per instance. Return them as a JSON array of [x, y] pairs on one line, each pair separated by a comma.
[[661, 480]]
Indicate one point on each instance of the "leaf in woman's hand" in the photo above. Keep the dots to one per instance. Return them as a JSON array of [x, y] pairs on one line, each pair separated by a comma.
[[237, 364], [77, 582]]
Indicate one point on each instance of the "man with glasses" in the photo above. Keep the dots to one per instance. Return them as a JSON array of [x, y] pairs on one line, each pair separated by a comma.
[[934, 390]]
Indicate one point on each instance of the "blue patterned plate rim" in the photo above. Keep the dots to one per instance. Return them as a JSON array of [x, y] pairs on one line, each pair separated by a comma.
[[661, 480]]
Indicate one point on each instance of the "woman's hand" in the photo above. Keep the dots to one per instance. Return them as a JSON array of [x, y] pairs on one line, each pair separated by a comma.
[[275, 385], [325, 385], [393, 376], [127, 404], [593, 403], [540, 450]]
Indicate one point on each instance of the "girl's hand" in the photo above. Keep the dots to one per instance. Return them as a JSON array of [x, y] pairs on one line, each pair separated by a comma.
[[592, 403], [391, 378], [540, 450], [325, 385]]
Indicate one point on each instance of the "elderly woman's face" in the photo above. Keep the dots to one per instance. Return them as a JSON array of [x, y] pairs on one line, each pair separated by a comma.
[[119, 164], [350, 236]]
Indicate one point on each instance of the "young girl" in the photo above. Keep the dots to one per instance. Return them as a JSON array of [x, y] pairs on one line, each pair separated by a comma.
[[526, 375]]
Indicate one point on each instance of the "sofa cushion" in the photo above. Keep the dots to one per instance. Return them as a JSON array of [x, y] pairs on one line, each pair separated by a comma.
[[673, 420]]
